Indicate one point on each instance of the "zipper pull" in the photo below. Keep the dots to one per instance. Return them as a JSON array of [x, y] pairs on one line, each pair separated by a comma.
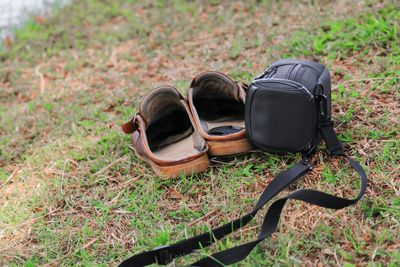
[[266, 73], [262, 75]]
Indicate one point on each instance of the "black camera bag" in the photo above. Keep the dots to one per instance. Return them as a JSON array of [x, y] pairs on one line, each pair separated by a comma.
[[288, 110], [287, 104]]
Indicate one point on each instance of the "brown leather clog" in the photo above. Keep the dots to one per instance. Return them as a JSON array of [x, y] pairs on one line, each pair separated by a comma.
[[164, 134], [217, 106]]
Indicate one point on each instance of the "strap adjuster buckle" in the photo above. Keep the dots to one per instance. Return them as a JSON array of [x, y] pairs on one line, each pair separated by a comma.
[[323, 106], [163, 255], [305, 161]]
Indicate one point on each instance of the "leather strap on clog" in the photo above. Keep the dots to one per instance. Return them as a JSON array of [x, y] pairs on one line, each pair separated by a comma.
[[131, 126]]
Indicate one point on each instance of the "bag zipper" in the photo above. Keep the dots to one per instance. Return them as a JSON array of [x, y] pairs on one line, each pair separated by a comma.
[[266, 73], [291, 83], [302, 63]]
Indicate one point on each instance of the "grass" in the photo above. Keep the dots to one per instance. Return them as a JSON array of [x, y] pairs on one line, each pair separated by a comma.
[[75, 194]]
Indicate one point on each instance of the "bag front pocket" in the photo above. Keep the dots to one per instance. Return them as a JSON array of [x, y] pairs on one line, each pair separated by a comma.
[[280, 115]]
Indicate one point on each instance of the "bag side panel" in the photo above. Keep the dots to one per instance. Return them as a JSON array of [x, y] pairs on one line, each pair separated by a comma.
[[325, 81]]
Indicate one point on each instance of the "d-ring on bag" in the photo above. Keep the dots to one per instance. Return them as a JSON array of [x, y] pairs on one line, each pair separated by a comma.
[[288, 109]]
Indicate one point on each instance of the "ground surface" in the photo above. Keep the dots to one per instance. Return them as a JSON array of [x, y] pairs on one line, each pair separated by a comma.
[[74, 193]]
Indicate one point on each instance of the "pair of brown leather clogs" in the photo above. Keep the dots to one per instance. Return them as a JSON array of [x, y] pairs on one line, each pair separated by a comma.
[[175, 134]]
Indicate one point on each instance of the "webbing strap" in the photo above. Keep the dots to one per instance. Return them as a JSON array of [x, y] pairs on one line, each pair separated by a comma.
[[165, 254], [271, 219]]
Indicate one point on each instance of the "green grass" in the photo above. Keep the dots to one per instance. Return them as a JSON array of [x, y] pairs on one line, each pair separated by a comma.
[[73, 191]]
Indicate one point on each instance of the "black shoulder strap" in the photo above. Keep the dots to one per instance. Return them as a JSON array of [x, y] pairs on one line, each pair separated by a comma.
[[314, 197], [165, 254]]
